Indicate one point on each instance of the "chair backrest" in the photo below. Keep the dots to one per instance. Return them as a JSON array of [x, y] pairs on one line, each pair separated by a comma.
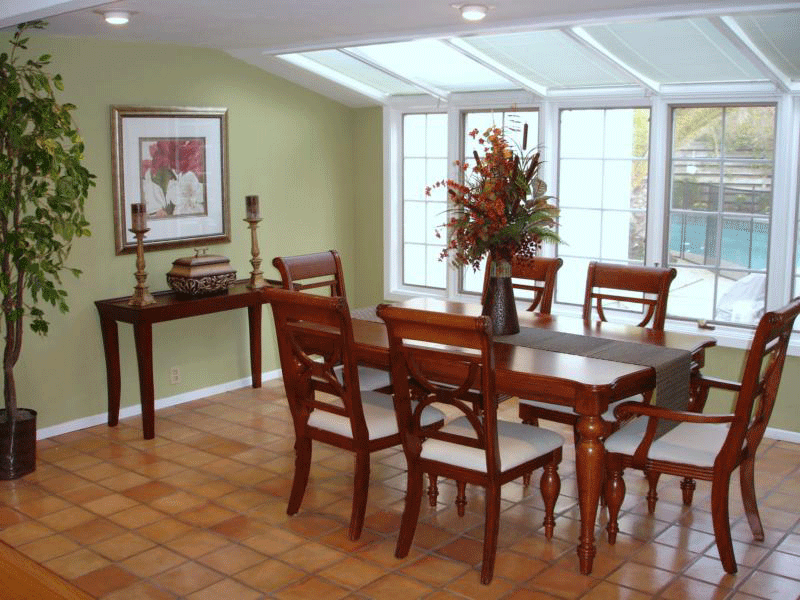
[[648, 286], [540, 275], [296, 269], [315, 334], [457, 349], [763, 368]]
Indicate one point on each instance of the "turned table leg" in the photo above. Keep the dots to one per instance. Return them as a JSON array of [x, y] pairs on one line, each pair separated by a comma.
[[590, 459], [143, 336]]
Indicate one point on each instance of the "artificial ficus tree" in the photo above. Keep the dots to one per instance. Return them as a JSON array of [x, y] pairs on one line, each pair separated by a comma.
[[43, 187]]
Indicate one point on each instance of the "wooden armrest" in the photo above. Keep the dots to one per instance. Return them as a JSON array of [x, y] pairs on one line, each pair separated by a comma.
[[716, 382], [648, 410]]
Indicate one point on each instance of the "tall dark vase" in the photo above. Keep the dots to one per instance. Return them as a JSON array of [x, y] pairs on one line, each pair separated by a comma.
[[499, 303]]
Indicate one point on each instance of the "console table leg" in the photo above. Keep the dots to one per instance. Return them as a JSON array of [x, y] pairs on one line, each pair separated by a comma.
[[254, 323], [108, 327], [590, 459], [143, 336]]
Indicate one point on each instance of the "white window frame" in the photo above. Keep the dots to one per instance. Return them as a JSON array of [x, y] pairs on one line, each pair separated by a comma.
[[784, 214]]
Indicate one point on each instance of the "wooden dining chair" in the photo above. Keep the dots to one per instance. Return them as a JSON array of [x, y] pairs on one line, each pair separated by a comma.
[[323, 271], [315, 334], [706, 446], [539, 273], [647, 287], [475, 447]]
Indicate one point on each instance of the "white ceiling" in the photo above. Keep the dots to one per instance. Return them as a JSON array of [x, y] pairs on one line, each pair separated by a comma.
[[258, 30]]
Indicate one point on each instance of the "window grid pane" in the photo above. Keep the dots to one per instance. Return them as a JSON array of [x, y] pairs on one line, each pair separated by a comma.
[[719, 211], [602, 190], [424, 163], [512, 122]]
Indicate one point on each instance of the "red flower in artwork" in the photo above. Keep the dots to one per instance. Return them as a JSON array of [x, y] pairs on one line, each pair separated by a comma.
[[502, 205]]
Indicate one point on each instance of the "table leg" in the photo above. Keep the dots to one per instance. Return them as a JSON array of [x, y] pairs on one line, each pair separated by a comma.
[[108, 327], [590, 459], [143, 336], [254, 323]]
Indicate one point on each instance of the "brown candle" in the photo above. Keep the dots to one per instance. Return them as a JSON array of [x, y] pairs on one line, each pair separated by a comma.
[[138, 216], [252, 207]]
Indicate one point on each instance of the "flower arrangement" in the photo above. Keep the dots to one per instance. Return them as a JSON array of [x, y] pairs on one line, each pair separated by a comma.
[[501, 207]]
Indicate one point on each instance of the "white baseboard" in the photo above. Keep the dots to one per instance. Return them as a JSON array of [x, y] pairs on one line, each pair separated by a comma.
[[131, 411], [782, 435]]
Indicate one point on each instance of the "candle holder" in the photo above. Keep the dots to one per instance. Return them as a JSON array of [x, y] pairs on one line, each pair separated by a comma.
[[141, 295], [256, 276]]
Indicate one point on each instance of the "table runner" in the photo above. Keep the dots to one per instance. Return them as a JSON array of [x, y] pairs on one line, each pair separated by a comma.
[[672, 366]]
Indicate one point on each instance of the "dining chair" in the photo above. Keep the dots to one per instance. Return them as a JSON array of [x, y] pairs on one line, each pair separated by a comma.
[[315, 333], [539, 273], [322, 270], [475, 447], [708, 446], [647, 287]]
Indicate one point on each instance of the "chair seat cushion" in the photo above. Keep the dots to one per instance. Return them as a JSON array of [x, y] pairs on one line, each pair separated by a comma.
[[378, 413], [368, 378], [518, 444], [695, 444], [607, 416]]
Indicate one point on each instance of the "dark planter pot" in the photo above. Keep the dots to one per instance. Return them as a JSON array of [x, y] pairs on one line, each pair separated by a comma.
[[17, 450], [499, 303]]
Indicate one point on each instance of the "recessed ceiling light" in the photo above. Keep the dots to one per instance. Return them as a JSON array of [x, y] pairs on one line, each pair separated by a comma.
[[472, 12], [117, 17]]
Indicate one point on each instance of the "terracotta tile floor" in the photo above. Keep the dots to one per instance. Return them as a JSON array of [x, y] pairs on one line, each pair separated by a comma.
[[200, 513]]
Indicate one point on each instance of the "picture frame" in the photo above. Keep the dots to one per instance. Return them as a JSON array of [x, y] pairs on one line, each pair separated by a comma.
[[175, 161]]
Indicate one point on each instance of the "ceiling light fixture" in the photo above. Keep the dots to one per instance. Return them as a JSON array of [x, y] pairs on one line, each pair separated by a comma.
[[472, 12], [117, 17]]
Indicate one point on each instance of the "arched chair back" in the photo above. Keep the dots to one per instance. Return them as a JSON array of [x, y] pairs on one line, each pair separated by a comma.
[[539, 273], [628, 284], [309, 271]]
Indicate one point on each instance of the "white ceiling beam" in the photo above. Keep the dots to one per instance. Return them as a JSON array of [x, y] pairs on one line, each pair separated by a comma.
[[15, 11], [728, 27], [319, 69], [580, 35], [428, 89], [463, 47]]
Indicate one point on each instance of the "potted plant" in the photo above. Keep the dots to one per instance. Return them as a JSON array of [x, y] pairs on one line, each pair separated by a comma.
[[500, 208], [43, 186]]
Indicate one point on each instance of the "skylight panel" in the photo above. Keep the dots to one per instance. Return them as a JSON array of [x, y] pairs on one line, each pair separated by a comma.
[[362, 72], [776, 35], [436, 65], [550, 58], [676, 51]]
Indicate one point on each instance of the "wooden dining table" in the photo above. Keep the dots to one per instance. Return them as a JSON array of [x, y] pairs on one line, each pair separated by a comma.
[[588, 385]]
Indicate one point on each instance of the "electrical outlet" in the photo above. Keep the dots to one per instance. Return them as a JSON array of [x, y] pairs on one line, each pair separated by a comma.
[[174, 375]]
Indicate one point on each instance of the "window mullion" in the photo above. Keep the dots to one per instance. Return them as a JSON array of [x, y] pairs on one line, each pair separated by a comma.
[[455, 146], [657, 187]]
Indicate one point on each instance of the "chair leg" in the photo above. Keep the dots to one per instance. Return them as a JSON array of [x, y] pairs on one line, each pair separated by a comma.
[[408, 523], [652, 492], [302, 466], [526, 479], [615, 494], [461, 497], [550, 485], [688, 485], [360, 492], [433, 489], [721, 521], [490, 532], [747, 483]]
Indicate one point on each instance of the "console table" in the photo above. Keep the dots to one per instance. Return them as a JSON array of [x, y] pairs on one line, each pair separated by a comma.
[[168, 306]]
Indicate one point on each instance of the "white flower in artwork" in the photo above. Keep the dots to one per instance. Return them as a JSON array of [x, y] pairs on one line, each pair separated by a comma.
[[186, 194], [153, 195]]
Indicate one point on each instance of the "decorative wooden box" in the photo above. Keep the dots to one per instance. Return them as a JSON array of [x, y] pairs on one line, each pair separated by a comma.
[[201, 274]]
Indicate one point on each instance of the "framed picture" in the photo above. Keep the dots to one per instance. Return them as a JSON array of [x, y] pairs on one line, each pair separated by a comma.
[[175, 161]]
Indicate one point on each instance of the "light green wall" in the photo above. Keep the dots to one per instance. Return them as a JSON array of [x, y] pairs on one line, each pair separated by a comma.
[[292, 147]]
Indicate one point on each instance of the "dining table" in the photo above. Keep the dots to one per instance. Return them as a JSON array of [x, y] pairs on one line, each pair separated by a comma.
[[587, 384]]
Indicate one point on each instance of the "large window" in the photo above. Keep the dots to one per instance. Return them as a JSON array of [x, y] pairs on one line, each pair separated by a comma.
[[720, 200], [602, 191], [424, 162]]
